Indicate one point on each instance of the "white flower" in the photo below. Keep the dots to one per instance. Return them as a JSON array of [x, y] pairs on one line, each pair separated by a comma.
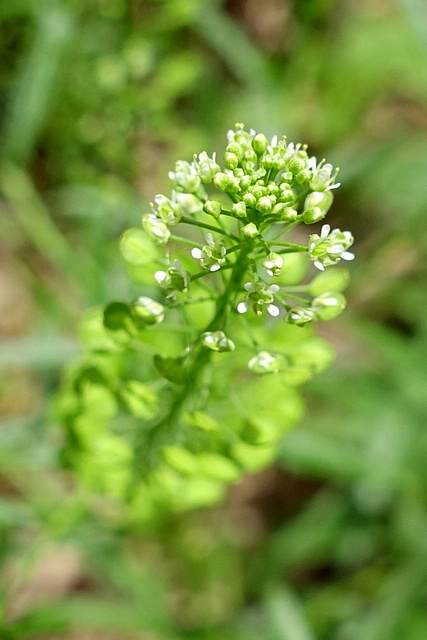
[[212, 256], [185, 176], [168, 209], [273, 263], [207, 167], [329, 247], [324, 176], [260, 297]]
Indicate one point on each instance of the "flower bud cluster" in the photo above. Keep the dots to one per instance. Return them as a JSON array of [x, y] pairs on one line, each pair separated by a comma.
[[268, 182], [234, 263]]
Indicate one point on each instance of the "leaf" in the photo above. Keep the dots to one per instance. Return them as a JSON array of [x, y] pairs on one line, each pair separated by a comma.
[[170, 368], [140, 399], [119, 322], [285, 616]]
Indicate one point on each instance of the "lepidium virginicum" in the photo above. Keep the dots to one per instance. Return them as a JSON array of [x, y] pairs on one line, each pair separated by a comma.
[[170, 402]]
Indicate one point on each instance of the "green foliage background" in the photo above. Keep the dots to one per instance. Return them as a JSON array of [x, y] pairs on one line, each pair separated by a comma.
[[98, 99]]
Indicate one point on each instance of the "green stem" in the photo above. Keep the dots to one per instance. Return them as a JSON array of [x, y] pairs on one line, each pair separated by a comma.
[[290, 245], [188, 243], [159, 431], [210, 227]]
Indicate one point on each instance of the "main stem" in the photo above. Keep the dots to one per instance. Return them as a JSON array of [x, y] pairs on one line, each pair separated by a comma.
[[160, 431]]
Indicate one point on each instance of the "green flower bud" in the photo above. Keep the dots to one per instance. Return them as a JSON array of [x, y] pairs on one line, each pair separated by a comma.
[[212, 207], [259, 173], [217, 341], [249, 156], [329, 305], [279, 162], [287, 176], [264, 204], [233, 184], [286, 195], [231, 160], [249, 167], [265, 362], [221, 181], [207, 167], [300, 315], [235, 148], [289, 214], [315, 214], [239, 209], [259, 144], [303, 176], [217, 467], [278, 209], [147, 312], [268, 161], [273, 189], [155, 228], [250, 230], [258, 191], [250, 200], [245, 182], [296, 164], [321, 199]]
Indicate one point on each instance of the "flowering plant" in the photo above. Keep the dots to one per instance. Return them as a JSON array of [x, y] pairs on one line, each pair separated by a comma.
[[160, 412]]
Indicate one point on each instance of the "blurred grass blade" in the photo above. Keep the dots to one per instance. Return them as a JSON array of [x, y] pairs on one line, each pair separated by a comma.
[[284, 615], [38, 351], [231, 44], [309, 538], [416, 12], [18, 7], [33, 216], [29, 100], [397, 594], [322, 457]]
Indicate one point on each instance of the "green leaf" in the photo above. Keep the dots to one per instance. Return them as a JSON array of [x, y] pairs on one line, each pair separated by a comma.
[[217, 467], [201, 420], [180, 459], [285, 616], [119, 322], [170, 368], [140, 399], [93, 332]]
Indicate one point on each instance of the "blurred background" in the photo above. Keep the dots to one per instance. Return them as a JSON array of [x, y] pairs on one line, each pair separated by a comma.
[[98, 100]]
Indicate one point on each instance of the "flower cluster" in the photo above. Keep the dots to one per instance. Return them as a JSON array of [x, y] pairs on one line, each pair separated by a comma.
[[272, 185], [149, 409]]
